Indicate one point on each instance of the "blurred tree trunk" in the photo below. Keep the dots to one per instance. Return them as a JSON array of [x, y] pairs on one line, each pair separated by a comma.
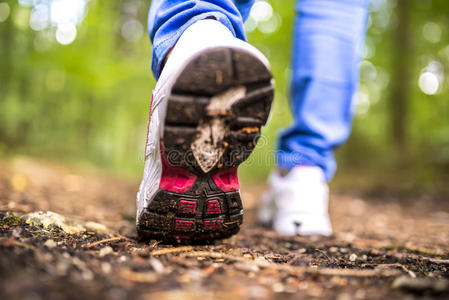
[[6, 37], [400, 93], [7, 43]]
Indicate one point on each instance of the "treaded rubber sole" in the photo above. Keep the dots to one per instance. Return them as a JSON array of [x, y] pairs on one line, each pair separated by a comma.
[[211, 207]]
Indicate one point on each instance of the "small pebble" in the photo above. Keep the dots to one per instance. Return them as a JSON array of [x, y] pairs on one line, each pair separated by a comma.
[[105, 251], [353, 257], [246, 267], [302, 250], [257, 292], [50, 244], [195, 274], [344, 296], [106, 267], [260, 259], [87, 275], [158, 267], [61, 268], [16, 232], [278, 287]]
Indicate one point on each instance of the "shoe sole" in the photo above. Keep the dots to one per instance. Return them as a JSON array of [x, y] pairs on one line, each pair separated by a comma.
[[198, 197]]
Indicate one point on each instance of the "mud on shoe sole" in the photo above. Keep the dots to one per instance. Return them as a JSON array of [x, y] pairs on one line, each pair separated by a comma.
[[214, 114]]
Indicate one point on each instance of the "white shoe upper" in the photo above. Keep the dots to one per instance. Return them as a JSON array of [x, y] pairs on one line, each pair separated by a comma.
[[297, 203], [202, 36]]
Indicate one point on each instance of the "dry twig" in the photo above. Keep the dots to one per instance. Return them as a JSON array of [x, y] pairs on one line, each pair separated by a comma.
[[10, 241], [108, 240], [438, 261], [170, 250], [295, 270]]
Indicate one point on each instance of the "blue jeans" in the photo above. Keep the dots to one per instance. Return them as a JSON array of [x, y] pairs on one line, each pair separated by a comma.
[[328, 36]]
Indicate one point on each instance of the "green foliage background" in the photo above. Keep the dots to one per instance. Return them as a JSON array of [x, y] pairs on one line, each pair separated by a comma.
[[87, 102]]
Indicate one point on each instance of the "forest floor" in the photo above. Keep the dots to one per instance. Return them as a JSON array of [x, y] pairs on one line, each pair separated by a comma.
[[383, 247]]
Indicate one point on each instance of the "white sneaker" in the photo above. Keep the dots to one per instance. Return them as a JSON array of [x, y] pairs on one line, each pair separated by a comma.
[[209, 103], [297, 203]]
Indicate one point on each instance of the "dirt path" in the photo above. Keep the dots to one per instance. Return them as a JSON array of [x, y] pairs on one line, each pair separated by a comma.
[[380, 249]]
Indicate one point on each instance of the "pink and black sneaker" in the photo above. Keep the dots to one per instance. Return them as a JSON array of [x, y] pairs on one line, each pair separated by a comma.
[[212, 98]]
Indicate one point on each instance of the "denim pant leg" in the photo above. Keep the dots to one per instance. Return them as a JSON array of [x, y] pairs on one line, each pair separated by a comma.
[[328, 36], [168, 19]]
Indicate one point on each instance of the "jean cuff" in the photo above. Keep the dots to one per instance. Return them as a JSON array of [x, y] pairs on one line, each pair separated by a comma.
[[161, 50], [304, 157]]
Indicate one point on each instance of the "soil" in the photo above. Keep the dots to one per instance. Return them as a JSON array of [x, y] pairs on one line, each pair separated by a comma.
[[383, 247]]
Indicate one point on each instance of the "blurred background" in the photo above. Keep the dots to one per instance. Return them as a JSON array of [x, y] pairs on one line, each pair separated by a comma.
[[75, 86]]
